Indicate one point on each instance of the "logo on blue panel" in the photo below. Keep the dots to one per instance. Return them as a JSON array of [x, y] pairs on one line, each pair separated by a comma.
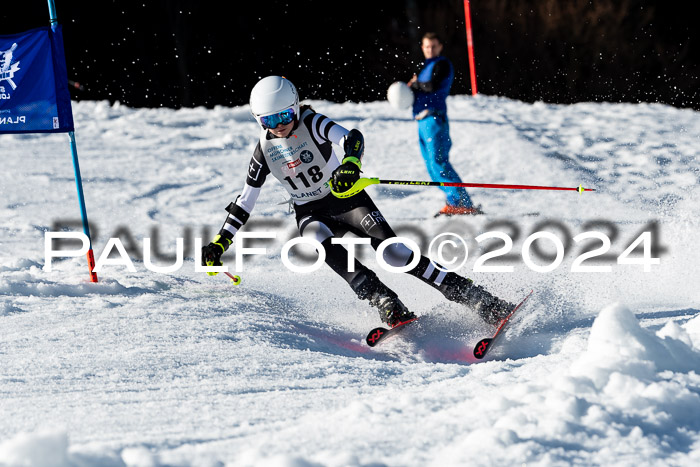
[[7, 67]]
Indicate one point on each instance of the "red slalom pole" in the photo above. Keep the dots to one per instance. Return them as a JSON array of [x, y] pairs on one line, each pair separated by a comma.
[[470, 46]]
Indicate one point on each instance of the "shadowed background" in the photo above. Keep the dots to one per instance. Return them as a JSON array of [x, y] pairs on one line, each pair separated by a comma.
[[184, 53]]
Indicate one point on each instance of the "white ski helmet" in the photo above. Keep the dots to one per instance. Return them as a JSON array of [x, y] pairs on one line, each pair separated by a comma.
[[273, 94]]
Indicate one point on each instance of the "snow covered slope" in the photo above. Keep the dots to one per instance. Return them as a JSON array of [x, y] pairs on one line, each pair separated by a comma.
[[145, 368]]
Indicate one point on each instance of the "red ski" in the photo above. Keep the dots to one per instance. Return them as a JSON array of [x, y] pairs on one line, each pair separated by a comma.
[[484, 345], [377, 335]]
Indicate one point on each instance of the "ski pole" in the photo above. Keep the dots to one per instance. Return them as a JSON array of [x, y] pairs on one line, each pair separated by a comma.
[[235, 279], [363, 183]]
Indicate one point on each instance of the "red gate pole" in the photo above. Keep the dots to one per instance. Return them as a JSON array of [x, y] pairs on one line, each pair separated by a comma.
[[470, 46]]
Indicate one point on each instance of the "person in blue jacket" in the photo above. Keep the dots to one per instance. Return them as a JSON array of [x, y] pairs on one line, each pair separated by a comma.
[[431, 86]]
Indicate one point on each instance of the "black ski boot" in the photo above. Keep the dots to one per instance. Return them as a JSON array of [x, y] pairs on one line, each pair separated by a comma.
[[462, 290], [391, 310]]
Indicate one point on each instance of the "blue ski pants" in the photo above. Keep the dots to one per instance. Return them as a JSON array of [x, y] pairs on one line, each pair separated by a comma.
[[435, 144]]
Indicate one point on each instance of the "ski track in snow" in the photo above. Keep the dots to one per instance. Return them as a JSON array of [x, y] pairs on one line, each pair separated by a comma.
[[186, 369]]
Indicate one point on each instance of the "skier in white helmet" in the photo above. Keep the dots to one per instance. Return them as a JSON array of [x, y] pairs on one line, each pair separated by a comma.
[[296, 147]]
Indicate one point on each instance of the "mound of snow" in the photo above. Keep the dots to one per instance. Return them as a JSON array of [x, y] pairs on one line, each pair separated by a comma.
[[42, 448], [618, 344]]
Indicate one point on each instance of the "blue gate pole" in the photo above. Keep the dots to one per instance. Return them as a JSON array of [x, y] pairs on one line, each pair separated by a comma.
[[52, 13], [76, 169]]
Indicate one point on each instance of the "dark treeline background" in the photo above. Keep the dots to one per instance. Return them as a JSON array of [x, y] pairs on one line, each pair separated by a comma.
[[178, 53]]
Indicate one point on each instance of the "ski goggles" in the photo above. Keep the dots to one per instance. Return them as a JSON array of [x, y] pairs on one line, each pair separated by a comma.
[[285, 117]]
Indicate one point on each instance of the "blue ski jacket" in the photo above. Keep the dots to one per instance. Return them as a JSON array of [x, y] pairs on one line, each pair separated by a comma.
[[433, 86]]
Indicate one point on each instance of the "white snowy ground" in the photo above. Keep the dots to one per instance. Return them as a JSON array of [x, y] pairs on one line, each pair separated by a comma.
[[179, 369]]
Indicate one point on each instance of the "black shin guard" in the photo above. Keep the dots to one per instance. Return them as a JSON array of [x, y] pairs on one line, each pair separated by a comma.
[[366, 283], [391, 310], [462, 290]]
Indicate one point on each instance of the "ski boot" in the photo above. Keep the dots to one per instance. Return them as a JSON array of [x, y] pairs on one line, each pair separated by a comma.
[[489, 307], [391, 310]]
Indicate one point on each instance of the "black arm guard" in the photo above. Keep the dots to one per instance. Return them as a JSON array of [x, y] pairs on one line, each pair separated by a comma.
[[237, 218], [238, 212], [354, 145]]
